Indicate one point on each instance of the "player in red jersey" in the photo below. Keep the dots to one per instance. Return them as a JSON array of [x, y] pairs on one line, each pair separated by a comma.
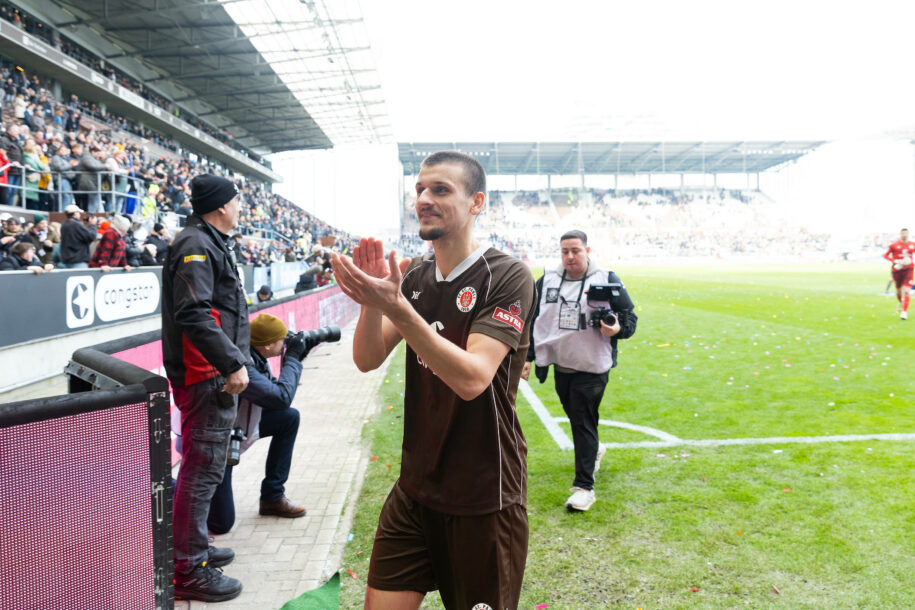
[[901, 253]]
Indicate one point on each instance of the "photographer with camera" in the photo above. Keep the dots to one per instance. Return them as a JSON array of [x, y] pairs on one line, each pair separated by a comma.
[[582, 311], [264, 410]]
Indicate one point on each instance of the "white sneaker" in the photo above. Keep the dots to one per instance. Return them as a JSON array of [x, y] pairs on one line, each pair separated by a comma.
[[601, 451], [903, 315], [580, 500]]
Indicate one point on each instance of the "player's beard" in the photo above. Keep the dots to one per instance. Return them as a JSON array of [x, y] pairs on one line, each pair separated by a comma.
[[431, 234]]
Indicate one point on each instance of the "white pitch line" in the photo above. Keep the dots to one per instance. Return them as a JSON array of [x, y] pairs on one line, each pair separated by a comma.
[[548, 421], [774, 440], [669, 440], [664, 436]]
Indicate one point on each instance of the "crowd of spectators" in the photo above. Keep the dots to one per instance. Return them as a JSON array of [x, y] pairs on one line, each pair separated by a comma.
[[53, 159], [656, 224], [36, 27]]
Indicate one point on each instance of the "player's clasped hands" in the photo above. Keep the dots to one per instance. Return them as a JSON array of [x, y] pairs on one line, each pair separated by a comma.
[[368, 278], [369, 257]]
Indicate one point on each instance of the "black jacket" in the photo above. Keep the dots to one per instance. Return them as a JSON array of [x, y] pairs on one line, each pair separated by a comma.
[[308, 281], [14, 263], [161, 247], [75, 238], [132, 250], [205, 330], [5, 250]]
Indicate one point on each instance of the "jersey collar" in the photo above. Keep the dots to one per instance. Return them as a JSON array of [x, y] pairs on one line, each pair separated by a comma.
[[463, 266]]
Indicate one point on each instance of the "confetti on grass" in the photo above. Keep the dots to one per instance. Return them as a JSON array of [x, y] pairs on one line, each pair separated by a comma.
[[351, 573]]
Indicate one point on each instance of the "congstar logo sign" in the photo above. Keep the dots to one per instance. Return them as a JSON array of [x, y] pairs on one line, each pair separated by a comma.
[[80, 301], [126, 295]]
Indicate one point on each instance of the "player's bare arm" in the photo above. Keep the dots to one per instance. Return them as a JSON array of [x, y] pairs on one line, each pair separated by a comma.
[[467, 372]]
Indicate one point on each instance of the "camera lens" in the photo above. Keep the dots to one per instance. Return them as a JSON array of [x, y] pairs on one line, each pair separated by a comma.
[[320, 335]]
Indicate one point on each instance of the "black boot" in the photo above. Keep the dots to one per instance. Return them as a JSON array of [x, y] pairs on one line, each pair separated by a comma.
[[220, 557], [206, 583]]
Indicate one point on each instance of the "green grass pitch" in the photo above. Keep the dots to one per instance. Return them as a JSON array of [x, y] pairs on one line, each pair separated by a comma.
[[721, 352]]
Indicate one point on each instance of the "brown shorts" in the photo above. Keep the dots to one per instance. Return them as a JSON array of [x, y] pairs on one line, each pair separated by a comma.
[[903, 277], [471, 560]]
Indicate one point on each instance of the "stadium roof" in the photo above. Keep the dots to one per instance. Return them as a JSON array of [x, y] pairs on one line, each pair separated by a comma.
[[592, 158], [278, 75]]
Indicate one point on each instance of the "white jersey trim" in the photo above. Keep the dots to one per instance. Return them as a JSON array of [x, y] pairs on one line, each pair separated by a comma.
[[463, 266], [495, 415]]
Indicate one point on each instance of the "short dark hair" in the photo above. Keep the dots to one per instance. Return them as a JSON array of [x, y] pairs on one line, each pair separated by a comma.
[[474, 174], [575, 234], [21, 247]]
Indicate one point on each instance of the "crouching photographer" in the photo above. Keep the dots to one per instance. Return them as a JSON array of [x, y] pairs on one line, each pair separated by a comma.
[[582, 311], [264, 410]]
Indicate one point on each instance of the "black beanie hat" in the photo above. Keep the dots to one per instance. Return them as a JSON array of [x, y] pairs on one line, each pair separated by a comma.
[[209, 192]]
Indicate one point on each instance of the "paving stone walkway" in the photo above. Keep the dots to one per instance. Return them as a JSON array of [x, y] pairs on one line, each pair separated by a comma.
[[279, 559]]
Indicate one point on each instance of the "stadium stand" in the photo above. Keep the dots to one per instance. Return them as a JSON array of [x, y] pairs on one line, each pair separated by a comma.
[[135, 172], [30, 24], [654, 224]]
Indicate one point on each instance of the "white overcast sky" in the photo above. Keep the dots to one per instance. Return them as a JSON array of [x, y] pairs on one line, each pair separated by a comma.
[[672, 69]]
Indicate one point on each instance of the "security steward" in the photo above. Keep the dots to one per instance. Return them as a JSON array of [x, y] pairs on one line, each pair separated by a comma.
[[205, 335], [571, 332]]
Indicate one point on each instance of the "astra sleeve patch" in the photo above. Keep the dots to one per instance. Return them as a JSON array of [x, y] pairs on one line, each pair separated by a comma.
[[508, 318], [192, 258]]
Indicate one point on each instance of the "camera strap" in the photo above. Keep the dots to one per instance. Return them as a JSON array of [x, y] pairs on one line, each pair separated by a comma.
[[570, 313]]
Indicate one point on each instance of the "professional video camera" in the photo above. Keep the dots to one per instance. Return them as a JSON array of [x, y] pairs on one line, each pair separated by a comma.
[[311, 338], [616, 298]]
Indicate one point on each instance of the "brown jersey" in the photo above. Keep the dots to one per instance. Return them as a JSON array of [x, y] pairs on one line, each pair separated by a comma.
[[467, 457]]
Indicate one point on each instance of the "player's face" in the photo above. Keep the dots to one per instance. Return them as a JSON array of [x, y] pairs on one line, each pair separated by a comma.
[[574, 257], [904, 235], [443, 206]]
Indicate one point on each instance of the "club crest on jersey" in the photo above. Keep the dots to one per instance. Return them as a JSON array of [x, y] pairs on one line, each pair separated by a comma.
[[466, 299], [504, 316], [482, 606], [515, 308], [552, 295]]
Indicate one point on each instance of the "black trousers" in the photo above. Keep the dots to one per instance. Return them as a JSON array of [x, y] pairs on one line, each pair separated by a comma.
[[580, 395], [282, 426], [205, 429]]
